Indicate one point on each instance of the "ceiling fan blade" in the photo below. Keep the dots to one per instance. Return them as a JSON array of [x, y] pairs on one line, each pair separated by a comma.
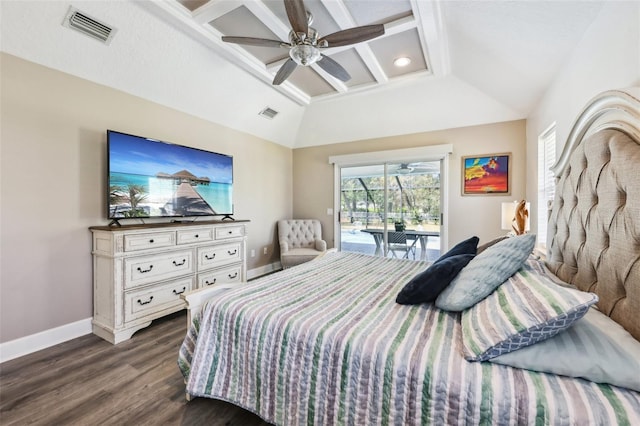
[[353, 35], [333, 68], [285, 71], [297, 15], [253, 41]]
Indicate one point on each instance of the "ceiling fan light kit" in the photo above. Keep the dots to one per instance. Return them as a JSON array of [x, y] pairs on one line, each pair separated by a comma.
[[305, 54], [304, 45]]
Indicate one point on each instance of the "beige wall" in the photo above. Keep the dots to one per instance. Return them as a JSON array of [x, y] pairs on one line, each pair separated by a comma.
[[470, 215], [53, 186]]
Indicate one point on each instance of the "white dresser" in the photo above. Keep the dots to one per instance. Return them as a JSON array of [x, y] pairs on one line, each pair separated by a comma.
[[140, 271]]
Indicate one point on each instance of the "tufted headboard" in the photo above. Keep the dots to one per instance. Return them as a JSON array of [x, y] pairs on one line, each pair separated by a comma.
[[594, 226]]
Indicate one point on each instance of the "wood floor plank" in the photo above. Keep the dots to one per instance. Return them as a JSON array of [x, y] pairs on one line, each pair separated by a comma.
[[88, 381]]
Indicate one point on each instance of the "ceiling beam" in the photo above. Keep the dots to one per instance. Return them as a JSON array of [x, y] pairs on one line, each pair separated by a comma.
[[210, 37], [214, 9], [435, 46], [431, 33], [343, 18]]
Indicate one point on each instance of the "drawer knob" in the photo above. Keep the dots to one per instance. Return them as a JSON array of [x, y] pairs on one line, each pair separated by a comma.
[[179, 292], [151, 241], [230, 232], [232, 253], [197, 236], [180, 264], [233, 276], [212, 282], [206, 256], [147, 302], [143, 271]]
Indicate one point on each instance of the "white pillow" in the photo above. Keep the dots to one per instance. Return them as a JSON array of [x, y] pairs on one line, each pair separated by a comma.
[[595, 348]]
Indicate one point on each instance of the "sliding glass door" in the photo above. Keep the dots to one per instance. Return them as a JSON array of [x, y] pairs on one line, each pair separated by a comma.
[[392, 209]]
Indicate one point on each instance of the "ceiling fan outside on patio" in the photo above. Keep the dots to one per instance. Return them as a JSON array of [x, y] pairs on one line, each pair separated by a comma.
[[305, 44], [414, 168]]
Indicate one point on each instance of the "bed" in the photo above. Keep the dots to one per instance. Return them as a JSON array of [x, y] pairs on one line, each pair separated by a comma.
[[326, 343]]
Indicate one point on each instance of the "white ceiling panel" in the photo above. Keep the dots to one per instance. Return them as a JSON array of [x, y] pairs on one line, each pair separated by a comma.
[[404, 44], [367, 12]]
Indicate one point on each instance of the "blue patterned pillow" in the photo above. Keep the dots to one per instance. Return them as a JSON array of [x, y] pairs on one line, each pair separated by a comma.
[[528, 308], [486, 272]]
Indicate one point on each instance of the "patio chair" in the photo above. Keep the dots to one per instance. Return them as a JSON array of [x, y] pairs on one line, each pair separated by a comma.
[[398, 243]]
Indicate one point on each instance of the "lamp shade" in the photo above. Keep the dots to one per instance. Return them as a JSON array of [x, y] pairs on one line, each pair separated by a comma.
[[509, 213]]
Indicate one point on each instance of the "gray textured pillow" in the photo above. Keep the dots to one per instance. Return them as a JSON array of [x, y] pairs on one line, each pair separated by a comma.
[[488, 244], [486, 272], [594, 348]]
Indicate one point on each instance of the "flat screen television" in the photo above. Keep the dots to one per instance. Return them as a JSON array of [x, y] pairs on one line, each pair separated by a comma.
[[154, 179]]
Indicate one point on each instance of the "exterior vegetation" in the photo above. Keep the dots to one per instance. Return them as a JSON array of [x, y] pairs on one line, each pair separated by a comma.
[[412, 200]]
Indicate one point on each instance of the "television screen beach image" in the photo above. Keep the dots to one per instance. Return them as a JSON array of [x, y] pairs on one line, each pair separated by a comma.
[[149, 178]]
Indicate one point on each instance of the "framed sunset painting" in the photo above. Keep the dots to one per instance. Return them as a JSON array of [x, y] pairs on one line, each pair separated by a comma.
[[486, 174]]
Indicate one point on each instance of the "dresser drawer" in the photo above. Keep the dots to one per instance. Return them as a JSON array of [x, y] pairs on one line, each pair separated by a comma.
[[213, 256], [141, 270], [149, 300], [229, 232], [149, 241], [195, 235], [232, 274]]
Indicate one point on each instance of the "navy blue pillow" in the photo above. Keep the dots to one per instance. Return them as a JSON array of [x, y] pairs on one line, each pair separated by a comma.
[[428, 284], [468, 246]]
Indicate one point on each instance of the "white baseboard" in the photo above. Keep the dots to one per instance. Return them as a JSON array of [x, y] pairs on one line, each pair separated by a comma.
[[263, 270], [44, 339]]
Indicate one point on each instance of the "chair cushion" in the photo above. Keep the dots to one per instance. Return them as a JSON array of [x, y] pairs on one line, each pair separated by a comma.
[[428, 284], [298, 256]]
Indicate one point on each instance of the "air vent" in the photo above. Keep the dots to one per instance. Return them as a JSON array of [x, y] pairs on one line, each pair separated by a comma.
[[268, 113], [89, 26]]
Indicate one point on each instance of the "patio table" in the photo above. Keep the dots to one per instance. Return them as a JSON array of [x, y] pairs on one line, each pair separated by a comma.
[[415, 235]]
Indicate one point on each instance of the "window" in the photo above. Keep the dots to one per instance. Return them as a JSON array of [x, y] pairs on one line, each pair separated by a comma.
[[546, 180]]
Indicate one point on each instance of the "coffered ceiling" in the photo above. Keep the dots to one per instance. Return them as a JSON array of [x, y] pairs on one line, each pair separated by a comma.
[[472, 62], [412, 30]]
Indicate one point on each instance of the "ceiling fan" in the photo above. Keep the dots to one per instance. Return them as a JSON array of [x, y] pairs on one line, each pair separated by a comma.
[[408, 168], [304, 42]]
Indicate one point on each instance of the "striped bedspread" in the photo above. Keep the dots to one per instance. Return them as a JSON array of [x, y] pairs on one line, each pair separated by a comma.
[[325, 343]]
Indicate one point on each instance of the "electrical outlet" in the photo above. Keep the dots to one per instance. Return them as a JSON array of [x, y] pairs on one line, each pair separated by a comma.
[[265, 250], [253, 253]]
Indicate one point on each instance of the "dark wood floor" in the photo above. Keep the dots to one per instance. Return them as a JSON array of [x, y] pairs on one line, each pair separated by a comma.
[[88, 381]]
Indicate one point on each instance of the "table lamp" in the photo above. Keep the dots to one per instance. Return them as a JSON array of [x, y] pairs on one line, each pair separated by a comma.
[[515, 217]]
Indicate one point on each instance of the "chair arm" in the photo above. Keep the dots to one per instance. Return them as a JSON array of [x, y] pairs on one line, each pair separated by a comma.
[[284, 246], [321, 245]]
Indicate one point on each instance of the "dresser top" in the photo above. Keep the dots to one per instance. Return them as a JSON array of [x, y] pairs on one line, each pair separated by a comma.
[[166, 225]]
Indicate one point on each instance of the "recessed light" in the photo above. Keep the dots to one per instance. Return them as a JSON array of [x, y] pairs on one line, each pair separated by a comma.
[[402, 61]]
